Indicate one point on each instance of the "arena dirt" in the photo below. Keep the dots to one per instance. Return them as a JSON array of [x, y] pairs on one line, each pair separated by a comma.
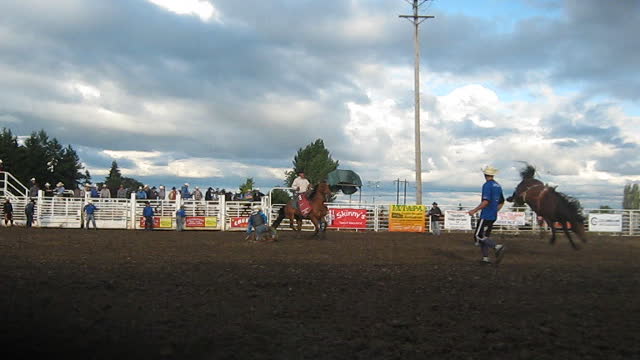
[[113, 294]]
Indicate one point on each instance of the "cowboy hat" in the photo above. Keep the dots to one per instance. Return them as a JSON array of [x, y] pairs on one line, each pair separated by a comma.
[[59, 184], [257, 208], [434, 203], [490, 170]]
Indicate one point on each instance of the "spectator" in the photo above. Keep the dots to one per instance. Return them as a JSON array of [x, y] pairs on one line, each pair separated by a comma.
[[162, 193], [181, 215], [147, 190], [208, 196], [7, 209], [89, 211], [29, 210], [77, 192], [86, 190], [33, 190], [59, 189], [435, 213], [48, 191], [184, 191], [173, 193], [105, 193], [147, 212], [122, 192], [94, 191], [197, 194], [141, 194], [154, 193]]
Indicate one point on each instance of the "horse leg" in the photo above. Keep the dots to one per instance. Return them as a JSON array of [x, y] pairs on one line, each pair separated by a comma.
[[553, 230], [316, 225], [566, 232]]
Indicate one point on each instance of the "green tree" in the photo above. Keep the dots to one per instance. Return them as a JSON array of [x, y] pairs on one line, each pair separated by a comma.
[[280, 197], [68, 168], [130, 184], [114, 179], [10, 152], [247, 186], [635, 197], [316, 162]]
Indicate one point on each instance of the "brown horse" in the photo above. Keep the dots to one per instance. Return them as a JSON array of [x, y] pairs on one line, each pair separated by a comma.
[[317, 214], [551, 205]]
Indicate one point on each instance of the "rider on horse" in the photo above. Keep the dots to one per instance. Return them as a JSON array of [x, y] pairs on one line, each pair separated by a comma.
[[300, 187]]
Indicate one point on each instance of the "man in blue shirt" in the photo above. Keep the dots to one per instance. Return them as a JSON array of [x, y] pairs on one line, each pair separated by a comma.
[[90, 210], [147, 212], [181, 215], [258, 221], [492, 201]]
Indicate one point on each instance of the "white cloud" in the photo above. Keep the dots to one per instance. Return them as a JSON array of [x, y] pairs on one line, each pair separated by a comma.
[[201, 8]]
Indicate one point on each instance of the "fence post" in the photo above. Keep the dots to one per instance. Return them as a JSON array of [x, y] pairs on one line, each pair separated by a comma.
[[132, 208], [376, 218], [223, 212], [39, 207]]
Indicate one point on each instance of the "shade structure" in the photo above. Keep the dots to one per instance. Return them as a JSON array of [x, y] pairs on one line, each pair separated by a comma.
[[346, 181]]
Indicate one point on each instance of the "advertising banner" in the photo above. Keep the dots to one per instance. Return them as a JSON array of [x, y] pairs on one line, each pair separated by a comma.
[[457, 220], [605, 222], [162, 222], [510, 218], [240, 222], [407, 218], [348, 218], [201, 221]]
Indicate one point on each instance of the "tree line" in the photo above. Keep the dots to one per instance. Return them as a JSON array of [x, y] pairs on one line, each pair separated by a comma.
[[631, 198]]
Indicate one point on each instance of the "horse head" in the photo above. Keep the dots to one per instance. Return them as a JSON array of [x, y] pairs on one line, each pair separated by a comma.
[[323, 190], [528, 181]]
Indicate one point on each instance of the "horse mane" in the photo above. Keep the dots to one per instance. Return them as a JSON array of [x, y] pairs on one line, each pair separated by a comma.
[[572, 204], [528, 172]]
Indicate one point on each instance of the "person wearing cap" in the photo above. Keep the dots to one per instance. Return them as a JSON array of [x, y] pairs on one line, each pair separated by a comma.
[[59, 189], [94, 191], [434, 214], [181, 215], [105, 193], [122, 192], [491, 203], [300, 186], [197, 194], [184, 191], [90, 210], [258, 221], [33, 190], [173, 194], [48, 191], [162, 194], [29, 210], [147, 212], [141, 194]]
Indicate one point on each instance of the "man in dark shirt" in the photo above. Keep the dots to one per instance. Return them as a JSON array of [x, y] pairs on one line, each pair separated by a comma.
[[434, 214]]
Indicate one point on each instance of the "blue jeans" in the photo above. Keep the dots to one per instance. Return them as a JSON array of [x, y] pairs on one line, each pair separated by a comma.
[[91, 218]]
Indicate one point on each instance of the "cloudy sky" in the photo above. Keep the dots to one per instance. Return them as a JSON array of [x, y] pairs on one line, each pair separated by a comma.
[[215, 91]]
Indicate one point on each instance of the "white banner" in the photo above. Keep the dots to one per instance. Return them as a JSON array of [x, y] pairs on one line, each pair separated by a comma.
[[457, 220], [510, 218], [605, 222]]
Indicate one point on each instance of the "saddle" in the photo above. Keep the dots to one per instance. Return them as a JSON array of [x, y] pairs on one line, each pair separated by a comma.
[[304, 205]]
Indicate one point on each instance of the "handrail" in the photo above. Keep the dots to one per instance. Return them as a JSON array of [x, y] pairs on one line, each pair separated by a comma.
[[24, 191]]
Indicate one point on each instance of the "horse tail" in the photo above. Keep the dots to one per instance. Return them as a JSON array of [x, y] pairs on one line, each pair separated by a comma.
[[279, 219], [575, 216]]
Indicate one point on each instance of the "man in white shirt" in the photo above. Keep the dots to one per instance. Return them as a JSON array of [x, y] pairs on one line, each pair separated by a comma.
[[300, 186]]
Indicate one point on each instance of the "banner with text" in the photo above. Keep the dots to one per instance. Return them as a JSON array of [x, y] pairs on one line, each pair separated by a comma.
[[162, 222], [605, 222], [510, 219], [407, 218], [240, 222], [457, 220], [201, 222], [348, 218]]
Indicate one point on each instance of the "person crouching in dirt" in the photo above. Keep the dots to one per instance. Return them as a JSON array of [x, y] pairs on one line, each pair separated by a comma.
[[258, 221]]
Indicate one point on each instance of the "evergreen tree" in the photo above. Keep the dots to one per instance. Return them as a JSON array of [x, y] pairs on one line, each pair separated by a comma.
[[68, 168], [626, 198], [635, 197], [247, 186], [280, 197], [114, 179], [316, 162], [10, 153], [130, 184]]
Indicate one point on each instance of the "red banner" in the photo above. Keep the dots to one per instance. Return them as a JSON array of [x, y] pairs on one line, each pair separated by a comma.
[[156, 222], [240, 222], [348, 218], [194, 221]]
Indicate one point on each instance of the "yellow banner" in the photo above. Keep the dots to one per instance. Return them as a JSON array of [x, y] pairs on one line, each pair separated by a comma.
[[166, 222], [211, 221], [407, 218]]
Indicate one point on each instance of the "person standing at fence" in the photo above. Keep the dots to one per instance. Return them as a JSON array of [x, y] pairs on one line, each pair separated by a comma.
[[29, 210], [147, 212], [7, 209], [162, 194], [121, 193], [90, 214], [33, 190], [434, 214], [59, 189], [197, 194], [181, 215], [94, 191], [141, 194], [491, 203], [184, 192], [300, 186], [105, 193], [48, 191], [173, 193]]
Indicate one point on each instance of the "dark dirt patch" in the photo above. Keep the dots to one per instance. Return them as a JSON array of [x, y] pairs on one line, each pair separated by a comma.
[[211, 295]]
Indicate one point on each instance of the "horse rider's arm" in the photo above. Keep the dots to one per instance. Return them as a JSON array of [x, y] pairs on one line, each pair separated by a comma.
[[482, 205]]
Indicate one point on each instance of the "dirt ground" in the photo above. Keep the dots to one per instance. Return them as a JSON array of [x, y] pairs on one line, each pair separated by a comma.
[[114, 294]]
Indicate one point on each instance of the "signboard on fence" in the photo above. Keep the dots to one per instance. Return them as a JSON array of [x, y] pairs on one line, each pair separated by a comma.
[[605, 222], [239, 222], [457, 220], [508, 218], [162, 222], [201, 221], [407, 218], [348, 218]]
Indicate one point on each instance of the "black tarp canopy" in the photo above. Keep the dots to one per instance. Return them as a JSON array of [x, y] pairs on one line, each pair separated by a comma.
[[346, 181]]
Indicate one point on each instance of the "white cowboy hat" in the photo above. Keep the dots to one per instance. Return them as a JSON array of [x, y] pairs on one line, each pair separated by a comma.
[[59, 184], [47, 184], [490, 170], [187, 184], [257, 208], [161, 186], [33, 179]]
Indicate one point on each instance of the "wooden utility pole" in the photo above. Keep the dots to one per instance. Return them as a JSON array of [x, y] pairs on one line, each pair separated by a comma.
[[417, 19]]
